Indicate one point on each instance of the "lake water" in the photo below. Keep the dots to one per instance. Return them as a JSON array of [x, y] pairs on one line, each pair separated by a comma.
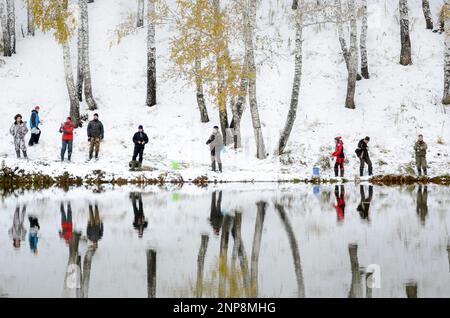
[[262, 240]]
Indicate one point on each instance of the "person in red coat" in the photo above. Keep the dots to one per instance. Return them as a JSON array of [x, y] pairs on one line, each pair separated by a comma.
[[67, 138], [340, 157], [340, 203]]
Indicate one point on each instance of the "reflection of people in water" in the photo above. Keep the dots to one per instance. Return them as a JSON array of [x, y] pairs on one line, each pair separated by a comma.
[[140, 224], [94, 229], [216, 215], [422, 203], [340, 202], [66, 223], [18, 232], [364, 205], [33, 235]]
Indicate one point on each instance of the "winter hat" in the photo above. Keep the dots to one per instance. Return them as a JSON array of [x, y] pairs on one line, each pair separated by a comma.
[[216, 127], [37, 108], [141, 127], [69, 118], [367, 138], [338, 138]]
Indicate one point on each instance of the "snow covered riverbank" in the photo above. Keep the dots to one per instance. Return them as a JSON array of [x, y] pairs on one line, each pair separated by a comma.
[[393, 106]]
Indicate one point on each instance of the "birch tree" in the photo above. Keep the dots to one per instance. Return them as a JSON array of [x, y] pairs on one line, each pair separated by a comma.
[[250, 52], [11, 19], [80, 47], [5, 31], [140, 14], [297, 77], [54, 15], [446, 13], [86, 63], [151, 55], [30, 19], [201, 265], [363, 42], [427, 14], [353, 63], [405, 54]]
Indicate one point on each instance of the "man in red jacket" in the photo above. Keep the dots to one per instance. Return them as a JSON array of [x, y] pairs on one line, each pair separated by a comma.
[[340, 157], [67, 138]]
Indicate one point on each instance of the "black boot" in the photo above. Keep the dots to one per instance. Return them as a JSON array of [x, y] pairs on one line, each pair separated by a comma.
[[336, 174], [69, 157], [220, 167], [419, 171], [213, 166], [18, 154], [425, 171], [25, 154], [342, 172]]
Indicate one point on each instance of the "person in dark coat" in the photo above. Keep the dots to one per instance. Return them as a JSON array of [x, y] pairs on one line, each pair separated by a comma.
[[139, 223], [95, 134], [94, 229], [140, 139], [420, 149], [422, 203], [33, 234], [363, 154], [216, 216], [34, 127], [364, 205]]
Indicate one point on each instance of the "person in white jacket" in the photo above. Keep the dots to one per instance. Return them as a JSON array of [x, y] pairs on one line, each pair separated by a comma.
[[18, 232], [215, 143]]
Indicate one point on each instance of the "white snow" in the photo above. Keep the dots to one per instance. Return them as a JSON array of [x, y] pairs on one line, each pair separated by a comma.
[[392, 107]]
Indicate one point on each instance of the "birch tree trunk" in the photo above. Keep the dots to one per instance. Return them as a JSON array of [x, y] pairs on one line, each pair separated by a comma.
[[256, 248], [238, 106], [140, 14], [411, 289], [446, 98], [74, 104], [201, 265], [427, 14], [151, 273], [80, 47], [405, 54], [295, 250], [151, 56], [220, 52], [86, 64], [251, 23], [5, 29], [10, 9], [297, 80], [353, 62], [204, 118], [30, 19], [363, 42]]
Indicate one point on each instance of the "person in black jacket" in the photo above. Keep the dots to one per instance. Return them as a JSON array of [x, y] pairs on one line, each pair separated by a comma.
[[363, 154], [94, 229], [139, 223], [140, 139], [364, 204], [95, 134]]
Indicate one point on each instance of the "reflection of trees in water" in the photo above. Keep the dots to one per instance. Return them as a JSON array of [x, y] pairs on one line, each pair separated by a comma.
[[422, 203], [411, 289], [355, 286], [294, 248]]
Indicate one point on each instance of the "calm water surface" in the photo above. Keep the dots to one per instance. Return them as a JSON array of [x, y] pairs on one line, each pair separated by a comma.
[[231, 241]]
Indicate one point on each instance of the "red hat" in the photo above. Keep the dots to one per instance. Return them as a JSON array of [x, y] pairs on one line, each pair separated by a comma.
[[338, 138], [37, 108]]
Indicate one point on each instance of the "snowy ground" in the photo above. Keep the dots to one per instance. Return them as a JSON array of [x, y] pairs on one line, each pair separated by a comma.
[[393, 106]]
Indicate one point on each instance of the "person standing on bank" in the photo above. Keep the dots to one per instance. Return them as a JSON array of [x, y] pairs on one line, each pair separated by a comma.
[[95, 136], [34, 127], [340, 157], [67, 138], [140, 139], [18, 130], [215, 143], [363, 154], [420, 148]]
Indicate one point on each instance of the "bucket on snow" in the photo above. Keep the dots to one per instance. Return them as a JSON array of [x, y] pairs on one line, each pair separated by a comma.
[[316, 172]]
